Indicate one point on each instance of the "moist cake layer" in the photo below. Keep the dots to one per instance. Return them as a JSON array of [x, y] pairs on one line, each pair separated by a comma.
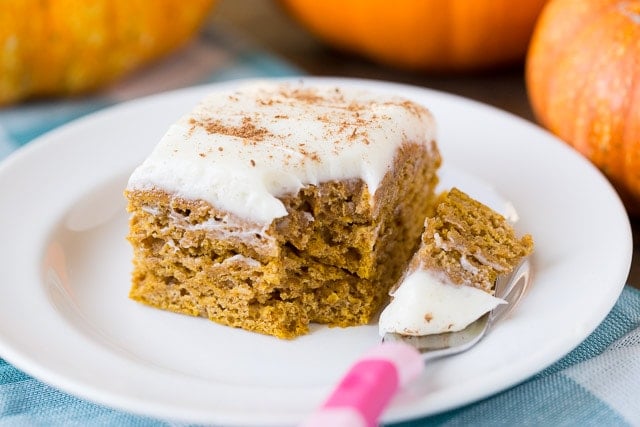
[[470, 243]]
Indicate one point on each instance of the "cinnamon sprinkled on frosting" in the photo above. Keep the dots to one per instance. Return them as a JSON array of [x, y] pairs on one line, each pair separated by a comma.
[[242, 148], [246, 129]]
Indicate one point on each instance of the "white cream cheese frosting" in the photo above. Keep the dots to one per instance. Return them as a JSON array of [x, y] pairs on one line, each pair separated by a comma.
[[242, 148], [423, 304]]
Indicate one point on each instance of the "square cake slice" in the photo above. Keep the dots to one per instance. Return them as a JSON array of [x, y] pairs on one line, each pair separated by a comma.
[[274, 205], [451, 278]]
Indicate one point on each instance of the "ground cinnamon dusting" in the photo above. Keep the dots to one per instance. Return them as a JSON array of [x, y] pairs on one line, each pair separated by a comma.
[[246, 130], [355, 107], [413, 108], [309, 154], [303, 95]]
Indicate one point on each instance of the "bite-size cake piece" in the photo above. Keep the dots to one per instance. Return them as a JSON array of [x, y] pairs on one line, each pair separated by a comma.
[[274, 205], [450, 280]]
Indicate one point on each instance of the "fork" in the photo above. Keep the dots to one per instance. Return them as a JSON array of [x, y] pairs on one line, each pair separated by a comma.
[[366, 389]]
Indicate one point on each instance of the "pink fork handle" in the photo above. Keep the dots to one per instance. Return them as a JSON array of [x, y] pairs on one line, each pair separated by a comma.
[[368, 387]]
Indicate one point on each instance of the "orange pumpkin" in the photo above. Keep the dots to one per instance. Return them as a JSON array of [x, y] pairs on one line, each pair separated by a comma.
[[583, 80], [57, 47], [424, 34]]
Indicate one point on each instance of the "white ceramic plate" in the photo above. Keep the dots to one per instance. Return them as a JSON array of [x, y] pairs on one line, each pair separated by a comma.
[[65, 317]]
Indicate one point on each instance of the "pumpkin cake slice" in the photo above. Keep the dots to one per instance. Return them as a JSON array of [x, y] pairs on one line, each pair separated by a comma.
[[272, 206], [450, 280]]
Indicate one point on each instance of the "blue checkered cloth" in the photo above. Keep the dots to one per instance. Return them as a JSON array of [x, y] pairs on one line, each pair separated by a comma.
[[597, 384]]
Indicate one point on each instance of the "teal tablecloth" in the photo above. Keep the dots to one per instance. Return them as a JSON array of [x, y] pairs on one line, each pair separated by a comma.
[[597, 384]]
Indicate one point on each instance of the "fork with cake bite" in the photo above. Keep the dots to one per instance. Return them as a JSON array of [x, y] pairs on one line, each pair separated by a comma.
[[369, 385]]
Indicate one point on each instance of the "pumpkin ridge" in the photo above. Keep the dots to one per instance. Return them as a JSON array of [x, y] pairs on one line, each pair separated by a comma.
[[583, 84], [432, 35], [65, 47]]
